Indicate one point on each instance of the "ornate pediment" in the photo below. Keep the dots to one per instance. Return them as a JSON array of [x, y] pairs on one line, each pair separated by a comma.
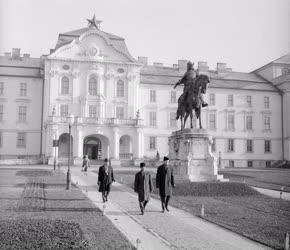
[[91, 45]]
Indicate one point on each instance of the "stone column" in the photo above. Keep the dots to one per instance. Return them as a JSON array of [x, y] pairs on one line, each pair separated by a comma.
[[140, 144], [116, 143], [51, 152], [115, 147], [78, 145]]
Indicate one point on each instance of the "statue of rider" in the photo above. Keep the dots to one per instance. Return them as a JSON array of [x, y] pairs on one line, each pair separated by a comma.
[[189, 78]]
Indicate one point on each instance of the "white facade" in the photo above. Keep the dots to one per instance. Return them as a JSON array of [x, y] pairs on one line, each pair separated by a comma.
[[124, 109]]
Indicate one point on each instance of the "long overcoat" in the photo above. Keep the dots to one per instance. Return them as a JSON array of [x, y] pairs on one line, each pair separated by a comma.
[[143, 185], [165, 180], [105, 178]]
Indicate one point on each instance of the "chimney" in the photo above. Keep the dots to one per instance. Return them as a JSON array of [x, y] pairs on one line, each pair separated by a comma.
[[143, 60], [182, 65], [157, 64], [221, 68], [7, 54], [15, 53], [202, 67], [26, 55], [175, 66]]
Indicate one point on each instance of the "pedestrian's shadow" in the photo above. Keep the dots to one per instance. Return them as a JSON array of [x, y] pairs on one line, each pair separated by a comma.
[[130, 213]]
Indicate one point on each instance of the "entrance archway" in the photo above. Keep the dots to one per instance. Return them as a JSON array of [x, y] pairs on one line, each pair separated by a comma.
[[93, 147], [63, 145], [96, 147]]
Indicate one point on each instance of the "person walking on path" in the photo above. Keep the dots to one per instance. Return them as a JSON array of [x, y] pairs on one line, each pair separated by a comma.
[[143, 186], [165, 182], [85, 164], [105, 179]]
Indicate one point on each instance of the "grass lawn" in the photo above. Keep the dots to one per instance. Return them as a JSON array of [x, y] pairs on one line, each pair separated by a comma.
[[264, 178], [232, 205], [36, 212]]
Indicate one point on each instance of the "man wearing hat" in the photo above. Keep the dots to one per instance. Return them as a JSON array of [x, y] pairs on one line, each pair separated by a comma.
[[143, 186], [165, 182], [105, 179]]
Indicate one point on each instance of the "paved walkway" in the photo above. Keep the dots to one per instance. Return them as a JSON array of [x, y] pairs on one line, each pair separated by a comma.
[[155, 230]]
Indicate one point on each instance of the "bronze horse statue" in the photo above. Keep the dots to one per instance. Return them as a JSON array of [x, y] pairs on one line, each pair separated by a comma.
[[191, 100]]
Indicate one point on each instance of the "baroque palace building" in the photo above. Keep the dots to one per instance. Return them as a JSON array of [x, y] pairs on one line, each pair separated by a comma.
[[124, 109]]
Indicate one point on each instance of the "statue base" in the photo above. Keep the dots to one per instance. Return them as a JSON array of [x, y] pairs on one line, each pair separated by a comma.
[[191, 157]]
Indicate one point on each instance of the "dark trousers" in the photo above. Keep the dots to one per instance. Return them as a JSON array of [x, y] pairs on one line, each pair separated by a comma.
[[142, 205], [164, 201], [105, 195]]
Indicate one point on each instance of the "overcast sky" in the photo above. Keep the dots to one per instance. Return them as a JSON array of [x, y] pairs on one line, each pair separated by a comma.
[[245, 34]]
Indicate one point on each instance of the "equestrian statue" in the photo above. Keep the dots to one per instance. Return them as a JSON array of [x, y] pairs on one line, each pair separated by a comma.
[[192, 98]]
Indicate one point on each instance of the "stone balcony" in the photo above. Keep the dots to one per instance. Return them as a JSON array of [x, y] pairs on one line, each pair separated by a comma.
[[98, 121]]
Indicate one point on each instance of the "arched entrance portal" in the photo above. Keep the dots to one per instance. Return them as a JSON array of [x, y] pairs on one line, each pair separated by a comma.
[[96, 147], [63, 145], [93, 148]]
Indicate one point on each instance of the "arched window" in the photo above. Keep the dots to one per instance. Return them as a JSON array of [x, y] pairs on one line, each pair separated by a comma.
[[120, 89], [93, 85], [64, 86]]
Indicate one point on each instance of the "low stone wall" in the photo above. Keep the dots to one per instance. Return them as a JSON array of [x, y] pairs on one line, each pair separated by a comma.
[[21, 161]]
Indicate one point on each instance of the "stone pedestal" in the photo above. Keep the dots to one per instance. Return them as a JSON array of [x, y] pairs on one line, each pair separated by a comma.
[[191, 157]]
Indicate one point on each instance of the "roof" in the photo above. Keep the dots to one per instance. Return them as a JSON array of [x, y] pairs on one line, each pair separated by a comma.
[[283, 59], [117, 42], [22, 67], [22, 62], [236, 80]]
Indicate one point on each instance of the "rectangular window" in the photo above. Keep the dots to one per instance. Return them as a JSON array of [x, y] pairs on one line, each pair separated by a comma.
[[267, 146], [249, 146], [173, 97], [250, 164], [152, 95], [21, 140], [1, 88], [23, 89], [1, 139], [266, 102], [172, 122], [231, 121], [211, 99], [1, 113], [65, 87], [213, 145], [120, 89], [268, 164], [230, 100], [22, 113], [152, 142], [92, 111], [120, 112], [63, 110], [93, 88], [231, 164], [267, 123], [152, 119], [249, 122], [212, 121], [249, 101], [231, 145]]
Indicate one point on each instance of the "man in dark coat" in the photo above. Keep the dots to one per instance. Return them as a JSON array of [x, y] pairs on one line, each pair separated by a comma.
[[105, 179], [143, 186], [165, 182]]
